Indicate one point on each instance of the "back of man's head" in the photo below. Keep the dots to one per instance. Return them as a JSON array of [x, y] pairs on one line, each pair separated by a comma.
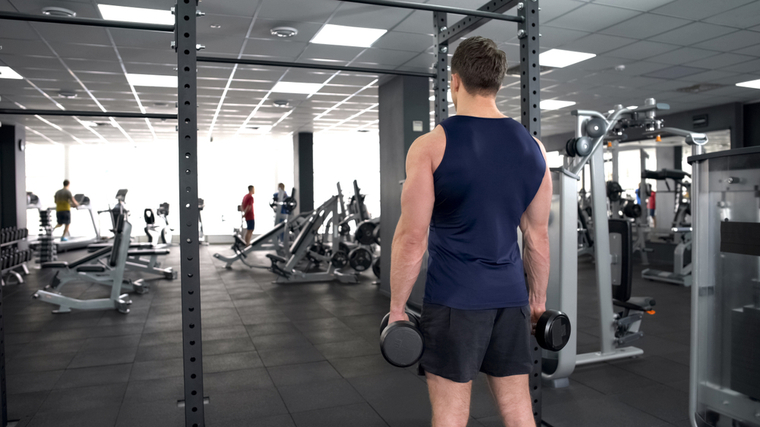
[[480, 64], [66, 182], [250, 187]]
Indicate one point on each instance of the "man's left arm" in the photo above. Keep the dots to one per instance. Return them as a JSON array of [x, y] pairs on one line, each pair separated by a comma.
[[410, 238]]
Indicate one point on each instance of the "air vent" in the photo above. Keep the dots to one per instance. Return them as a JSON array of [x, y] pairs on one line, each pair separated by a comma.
[[699, 88], [68, 94], [58, 11], [281, 103], [283, 32]]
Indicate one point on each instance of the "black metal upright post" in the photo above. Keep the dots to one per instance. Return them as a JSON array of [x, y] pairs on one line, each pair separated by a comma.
[[441, 82], [185, 38], [530, 85]]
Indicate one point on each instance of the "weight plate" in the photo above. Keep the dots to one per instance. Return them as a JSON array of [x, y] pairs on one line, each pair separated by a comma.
[[364, 234], [360, 259]]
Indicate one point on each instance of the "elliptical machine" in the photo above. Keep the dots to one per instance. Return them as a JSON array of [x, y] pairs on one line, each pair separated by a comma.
[[164, 236]]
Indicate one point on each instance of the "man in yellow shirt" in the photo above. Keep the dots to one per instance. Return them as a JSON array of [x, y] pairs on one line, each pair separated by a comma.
[[63, 202]]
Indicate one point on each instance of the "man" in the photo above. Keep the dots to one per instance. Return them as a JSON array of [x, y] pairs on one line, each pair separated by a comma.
[[63, 202], [280, 214], [469, 184], [247, 208]]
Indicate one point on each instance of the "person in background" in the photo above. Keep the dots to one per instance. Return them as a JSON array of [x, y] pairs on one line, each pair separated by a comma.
[[281, 214], [247, 208], [63, 202]]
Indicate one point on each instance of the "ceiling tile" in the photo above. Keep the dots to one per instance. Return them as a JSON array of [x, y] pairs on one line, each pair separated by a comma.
[[697, 10], [419, 22], [551, 9], [751, 67], [391, 58], [592, 17], [17, 30], [720, 61], [719, 77], [640, 5], [552, 37], [645, 26], [641, 50], [692, 33], [674, 72], [683, 55], [742, 17], [733, 41], [753, 50], [281, 48], [360, 15], [294, 10], [598, 44], [262, 30]]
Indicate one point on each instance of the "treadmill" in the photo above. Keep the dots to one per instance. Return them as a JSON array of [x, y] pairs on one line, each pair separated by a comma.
[[77, 242]]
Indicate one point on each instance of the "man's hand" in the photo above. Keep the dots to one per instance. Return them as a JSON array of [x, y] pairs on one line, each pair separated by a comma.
[[536, 310], [396, 316]]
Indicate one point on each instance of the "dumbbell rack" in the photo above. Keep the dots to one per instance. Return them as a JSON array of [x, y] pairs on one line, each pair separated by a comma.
[[46, 249], [12, 259]]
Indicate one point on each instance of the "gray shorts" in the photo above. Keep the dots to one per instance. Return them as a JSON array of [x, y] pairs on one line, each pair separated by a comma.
[[461, 343]]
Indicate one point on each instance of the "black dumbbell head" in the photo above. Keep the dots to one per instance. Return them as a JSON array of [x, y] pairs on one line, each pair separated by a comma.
[[401, 342], [553, 330]]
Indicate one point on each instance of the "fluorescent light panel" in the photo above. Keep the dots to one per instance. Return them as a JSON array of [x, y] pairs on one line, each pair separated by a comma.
[[136, 14], [554, 104], [152, 80], [559, 58], [752, 84], [8, 73], [342, 35], [294, 87]]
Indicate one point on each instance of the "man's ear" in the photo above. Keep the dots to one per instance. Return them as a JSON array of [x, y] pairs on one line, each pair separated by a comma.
[[455, 82]]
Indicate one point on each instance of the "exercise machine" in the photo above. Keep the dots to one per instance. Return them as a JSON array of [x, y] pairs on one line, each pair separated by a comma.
[[311, 251], [73, 242], [612, 242], [162, 234], [276, 239], [113, 278], [201, 235], [679, 232]]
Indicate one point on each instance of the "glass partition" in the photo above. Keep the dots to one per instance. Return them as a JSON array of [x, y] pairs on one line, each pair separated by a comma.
[[725, 385]]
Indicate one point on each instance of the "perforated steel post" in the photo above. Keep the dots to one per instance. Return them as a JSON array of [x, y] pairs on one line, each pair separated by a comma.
[[185, 38], [530, 90], [3, 397], [441, 82]]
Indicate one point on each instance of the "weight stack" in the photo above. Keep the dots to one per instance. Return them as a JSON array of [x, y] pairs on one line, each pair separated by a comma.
[[745, 351], [46, 248]]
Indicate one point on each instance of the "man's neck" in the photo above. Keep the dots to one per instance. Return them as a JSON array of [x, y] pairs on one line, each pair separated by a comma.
[[478, 106]]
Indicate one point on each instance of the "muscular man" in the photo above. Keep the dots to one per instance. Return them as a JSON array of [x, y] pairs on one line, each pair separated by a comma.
[[470, 183], [63, 202], [247, 208]]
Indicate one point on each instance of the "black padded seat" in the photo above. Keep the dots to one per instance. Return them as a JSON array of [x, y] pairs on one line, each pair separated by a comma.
[[97, 246], [149, 252], [91, 269], [636, 303], [276, 258], [55, 264]]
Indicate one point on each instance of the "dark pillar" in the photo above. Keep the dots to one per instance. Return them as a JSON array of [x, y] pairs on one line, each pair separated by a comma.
[[404, 116], [12, 176], [303, 170]]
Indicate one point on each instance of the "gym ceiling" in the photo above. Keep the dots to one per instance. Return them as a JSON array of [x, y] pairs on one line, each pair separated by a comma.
[[688, 53]]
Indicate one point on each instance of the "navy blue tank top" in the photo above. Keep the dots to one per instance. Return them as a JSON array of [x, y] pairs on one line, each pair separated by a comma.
[[490, 172]]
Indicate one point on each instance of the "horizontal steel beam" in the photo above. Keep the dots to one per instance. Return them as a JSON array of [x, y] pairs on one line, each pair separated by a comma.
[[72, 113], [246, 61], [13, 16], [466, 25], [436, 8]]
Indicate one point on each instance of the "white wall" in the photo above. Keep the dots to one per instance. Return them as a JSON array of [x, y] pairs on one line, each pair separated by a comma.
[[344, 157], [149, 171]]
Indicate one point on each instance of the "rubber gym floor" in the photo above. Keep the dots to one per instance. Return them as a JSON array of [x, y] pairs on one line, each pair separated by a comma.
[[301, 355]]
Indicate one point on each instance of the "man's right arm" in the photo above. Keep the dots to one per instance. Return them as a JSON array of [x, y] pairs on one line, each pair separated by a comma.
[[534, 225]]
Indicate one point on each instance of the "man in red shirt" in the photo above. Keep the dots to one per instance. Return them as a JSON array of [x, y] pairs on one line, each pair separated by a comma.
[[247, 208]]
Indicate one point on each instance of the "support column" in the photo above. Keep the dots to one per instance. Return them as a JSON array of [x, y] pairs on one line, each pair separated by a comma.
[[404, 116], [12, 176], [303, 170]]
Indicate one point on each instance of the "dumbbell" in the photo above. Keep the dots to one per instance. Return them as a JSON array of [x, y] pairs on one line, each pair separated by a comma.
[[553, 330], [401, 342]]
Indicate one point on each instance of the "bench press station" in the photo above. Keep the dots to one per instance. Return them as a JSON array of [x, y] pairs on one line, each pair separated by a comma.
[[111, 275]]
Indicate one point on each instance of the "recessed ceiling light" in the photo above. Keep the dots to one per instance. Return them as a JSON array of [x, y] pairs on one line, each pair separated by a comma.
[[58, 11], [283, 32], [68, 94], [152, 80], [559, 58], [293, 87], [554, 104], [258, 129], [342, 35], [215, 26], [752, 84], [281, 103], [8, 73], [136, 14]]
